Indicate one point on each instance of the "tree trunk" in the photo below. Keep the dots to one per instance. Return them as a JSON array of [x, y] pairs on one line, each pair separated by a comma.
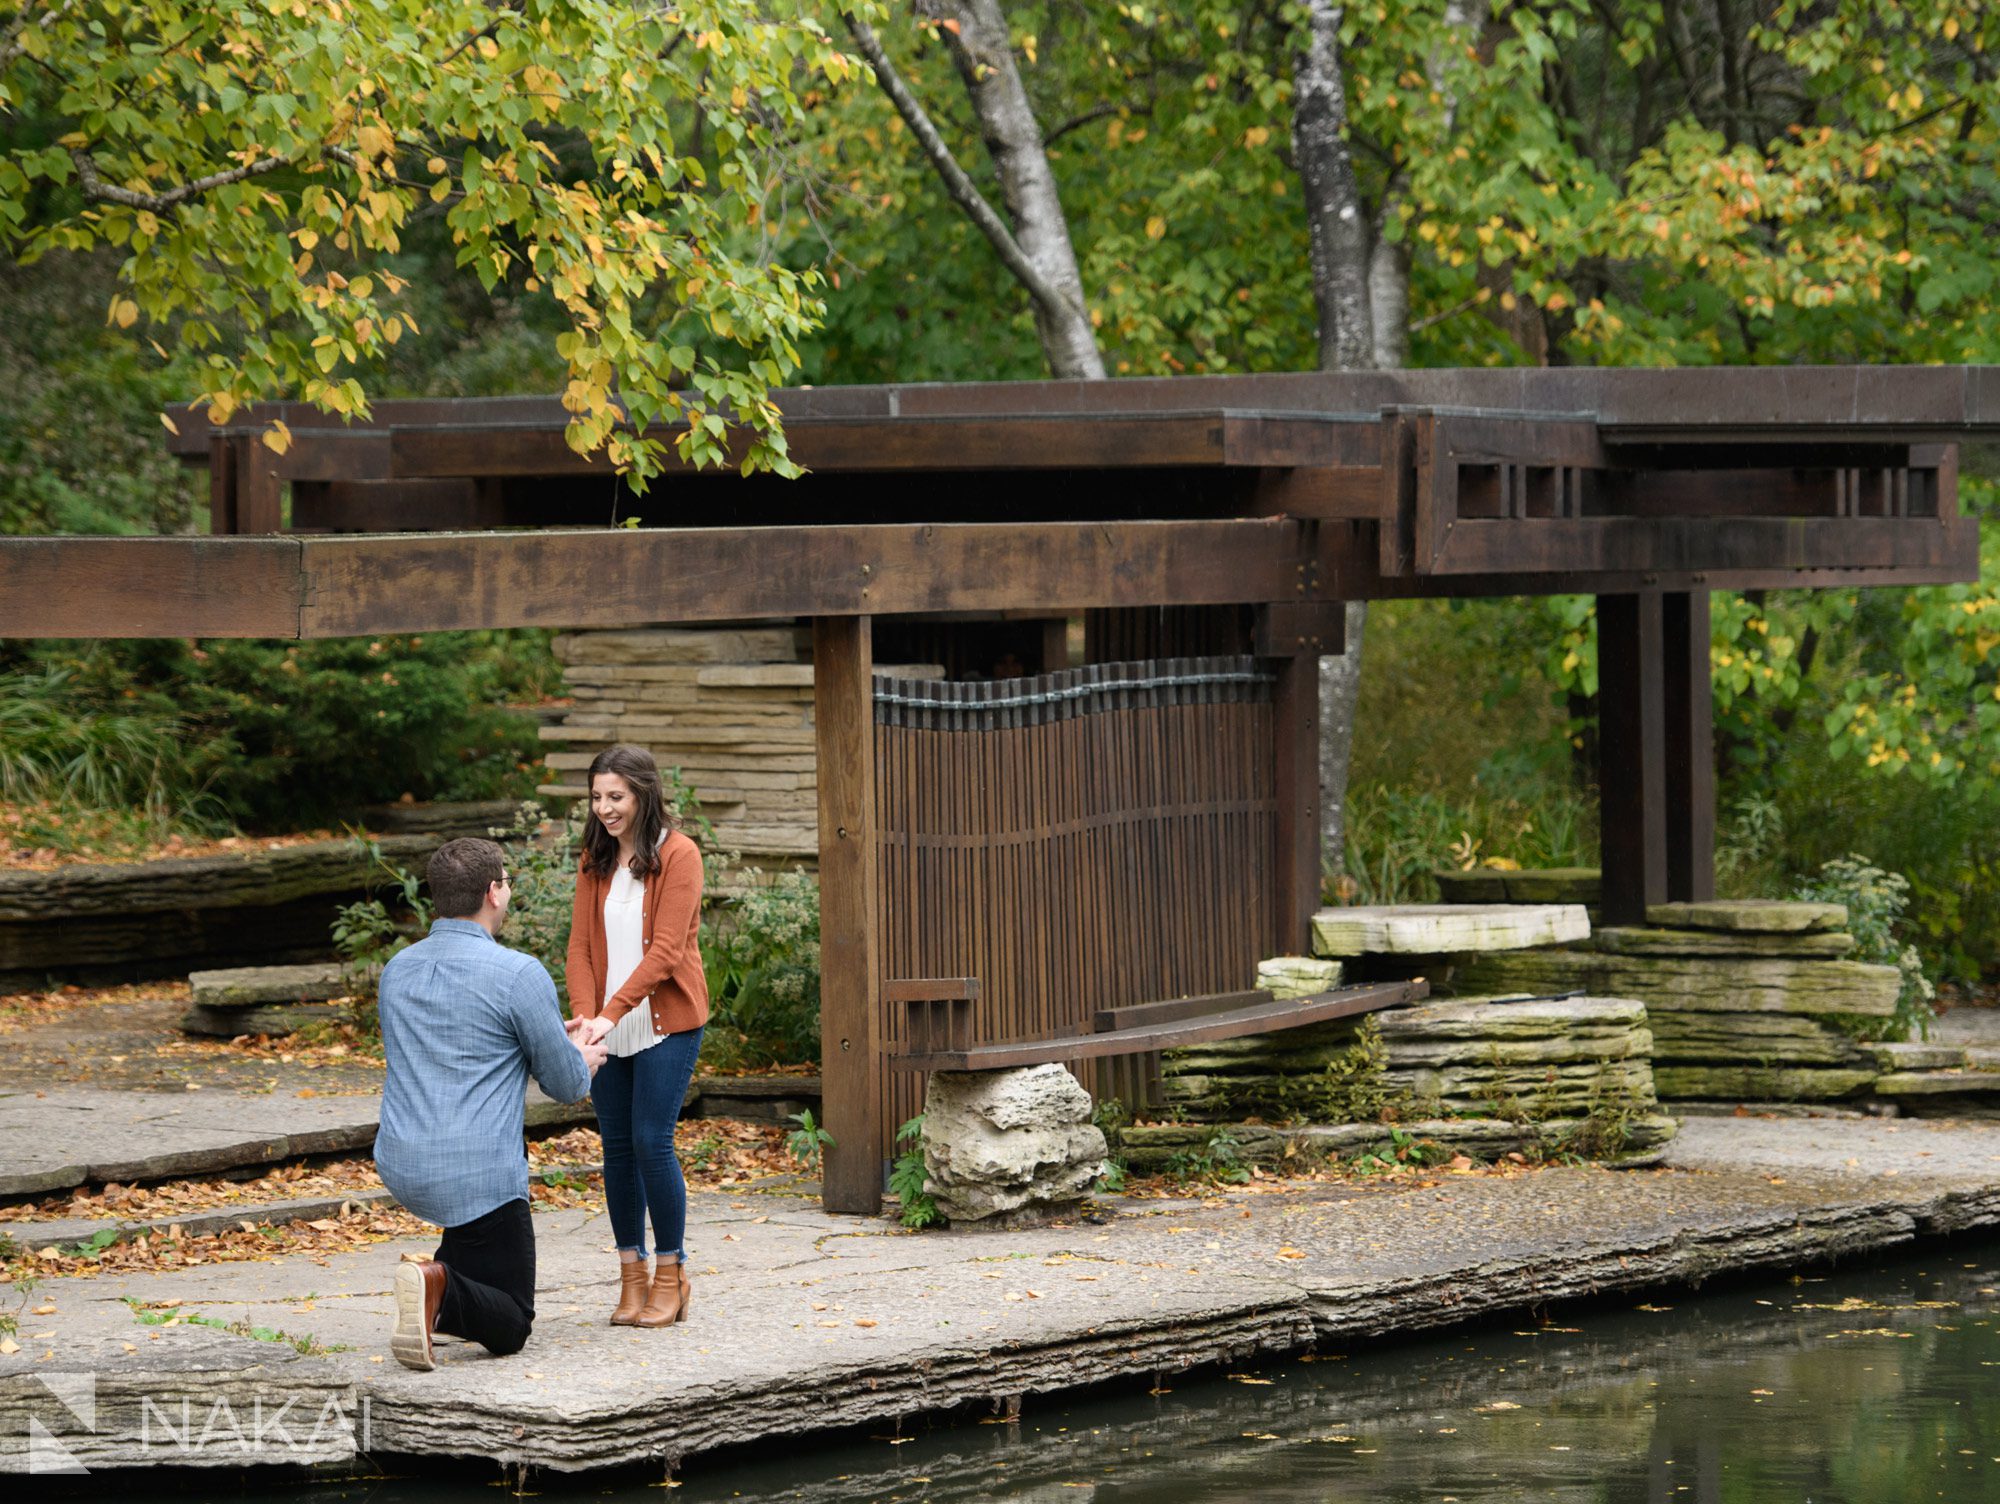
[[984, 54], [1361, 297], [1339, 692], [1336, 218]]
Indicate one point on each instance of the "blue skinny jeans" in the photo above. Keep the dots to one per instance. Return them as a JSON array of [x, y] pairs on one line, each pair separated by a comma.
[[638, 1100]]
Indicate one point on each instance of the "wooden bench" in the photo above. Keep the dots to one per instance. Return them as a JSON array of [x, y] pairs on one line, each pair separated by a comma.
[[938, 1022]]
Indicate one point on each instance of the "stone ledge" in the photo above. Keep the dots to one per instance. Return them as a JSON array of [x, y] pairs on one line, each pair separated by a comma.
[[1155, 1289]]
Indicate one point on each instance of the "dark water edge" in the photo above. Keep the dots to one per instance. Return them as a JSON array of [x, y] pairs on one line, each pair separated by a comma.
[[1878, 1384]]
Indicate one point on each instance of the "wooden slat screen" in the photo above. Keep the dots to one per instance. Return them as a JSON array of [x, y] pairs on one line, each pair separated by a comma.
[[1079, 840]]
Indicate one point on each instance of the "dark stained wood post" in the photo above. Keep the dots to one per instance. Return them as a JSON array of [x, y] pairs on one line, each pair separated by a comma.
[[1295, 729], [245, 494], [1690, 732], [849, 915], [1632, 754]]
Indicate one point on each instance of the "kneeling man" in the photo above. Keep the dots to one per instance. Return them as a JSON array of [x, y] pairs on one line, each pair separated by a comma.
[[464, 1020]]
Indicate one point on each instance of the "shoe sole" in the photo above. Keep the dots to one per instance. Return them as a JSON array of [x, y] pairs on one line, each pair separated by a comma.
[[411, 1341]]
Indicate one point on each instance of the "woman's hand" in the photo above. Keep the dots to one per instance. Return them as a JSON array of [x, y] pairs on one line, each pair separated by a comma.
[[588, 1030]]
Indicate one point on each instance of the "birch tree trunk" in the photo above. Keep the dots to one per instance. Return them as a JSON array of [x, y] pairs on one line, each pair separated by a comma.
[[1033, 240], [1336, 217], [1351, 336]]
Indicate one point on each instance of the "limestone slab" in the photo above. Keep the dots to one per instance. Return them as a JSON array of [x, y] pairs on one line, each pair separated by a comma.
[[1915, 1056], [893, 1327], [1637, 940], [1511, 1018], [1768, 916], [1754, 1039], [1287, 977], [1757, 1083], [260, 1018], [1445, 929], [241, 986], [1692, 983], [1933, 1083]]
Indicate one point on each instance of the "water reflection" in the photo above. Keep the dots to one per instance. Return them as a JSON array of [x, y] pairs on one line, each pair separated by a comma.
[[1871, 1388]]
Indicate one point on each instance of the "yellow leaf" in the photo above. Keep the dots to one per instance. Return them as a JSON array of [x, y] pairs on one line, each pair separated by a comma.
[[277, 438], [1156, 228], [307, 239], [124, 312], [172, 427]]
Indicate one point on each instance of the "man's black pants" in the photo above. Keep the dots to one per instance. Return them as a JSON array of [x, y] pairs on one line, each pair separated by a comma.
[[489, 1288]]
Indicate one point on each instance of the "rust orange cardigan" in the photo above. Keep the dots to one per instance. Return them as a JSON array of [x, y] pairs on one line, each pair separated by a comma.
[[669, 974]]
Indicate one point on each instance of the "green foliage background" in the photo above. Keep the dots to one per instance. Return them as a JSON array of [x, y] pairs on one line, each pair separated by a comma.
[[1821, 191]]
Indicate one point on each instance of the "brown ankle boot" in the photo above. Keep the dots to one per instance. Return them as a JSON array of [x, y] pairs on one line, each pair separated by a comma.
[[668, 1301], [633, 1284]]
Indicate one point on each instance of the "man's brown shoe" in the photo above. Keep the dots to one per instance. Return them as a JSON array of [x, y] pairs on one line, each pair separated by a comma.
[[668, 1301], [419, 1290], [633, 1283]]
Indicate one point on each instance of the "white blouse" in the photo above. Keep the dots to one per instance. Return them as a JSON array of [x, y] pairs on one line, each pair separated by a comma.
[[624, 948]]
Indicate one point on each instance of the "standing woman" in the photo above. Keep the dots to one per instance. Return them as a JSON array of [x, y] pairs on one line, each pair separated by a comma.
[[636, 982]]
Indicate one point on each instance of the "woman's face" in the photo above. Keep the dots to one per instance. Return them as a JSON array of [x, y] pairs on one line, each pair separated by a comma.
[[612, 802]]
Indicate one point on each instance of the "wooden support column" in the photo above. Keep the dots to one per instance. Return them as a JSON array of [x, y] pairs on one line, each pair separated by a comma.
[[850, 914], [1632, 754], [245, 494], [1295, 724], [1690, 733]]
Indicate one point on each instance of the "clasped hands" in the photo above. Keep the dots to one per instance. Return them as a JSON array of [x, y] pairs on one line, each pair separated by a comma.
[[588, 1033]]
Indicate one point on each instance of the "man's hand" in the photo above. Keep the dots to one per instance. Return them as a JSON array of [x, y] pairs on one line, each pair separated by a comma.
[[587, 1030], [594, 1054]]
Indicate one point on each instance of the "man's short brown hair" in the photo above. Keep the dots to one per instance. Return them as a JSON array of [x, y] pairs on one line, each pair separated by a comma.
[[460, 873]]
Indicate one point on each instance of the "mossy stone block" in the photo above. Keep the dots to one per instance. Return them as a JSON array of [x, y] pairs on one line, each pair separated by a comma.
[[1769, 916]]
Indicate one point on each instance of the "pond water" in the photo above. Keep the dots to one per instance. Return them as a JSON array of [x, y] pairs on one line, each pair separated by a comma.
[[1849, 1387]]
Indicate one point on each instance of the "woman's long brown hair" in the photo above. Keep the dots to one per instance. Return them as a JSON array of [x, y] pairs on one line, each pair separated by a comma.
[[642, 775]]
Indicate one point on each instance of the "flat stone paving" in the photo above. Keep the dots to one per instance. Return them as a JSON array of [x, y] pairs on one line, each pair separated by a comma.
[[892, 1324]]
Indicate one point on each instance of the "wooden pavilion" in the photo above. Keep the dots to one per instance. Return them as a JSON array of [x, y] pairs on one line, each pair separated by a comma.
[[1143, 826]]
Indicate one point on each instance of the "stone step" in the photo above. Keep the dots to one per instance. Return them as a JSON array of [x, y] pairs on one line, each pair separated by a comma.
[[1759, 1083], [261, 1018], [1933, 1083], [1693, 984], [1445, 929], [1753, 1039], [243, 986], [1828, 945], [1913, 1056], [1502, 1018], [1769, 916]]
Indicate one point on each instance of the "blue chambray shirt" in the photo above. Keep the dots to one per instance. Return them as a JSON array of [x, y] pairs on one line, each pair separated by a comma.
[[464, 1019]]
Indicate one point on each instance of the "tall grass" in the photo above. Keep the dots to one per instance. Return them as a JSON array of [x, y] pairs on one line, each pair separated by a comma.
[[56, 751], [1399, 838]]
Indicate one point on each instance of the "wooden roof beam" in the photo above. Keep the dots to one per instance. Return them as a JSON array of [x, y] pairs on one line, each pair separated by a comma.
[[305, 586]]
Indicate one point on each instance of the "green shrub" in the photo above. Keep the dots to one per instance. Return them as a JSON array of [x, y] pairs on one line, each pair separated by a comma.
[[762, 954], [62, 750], [275, 736], [1876, 901]]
